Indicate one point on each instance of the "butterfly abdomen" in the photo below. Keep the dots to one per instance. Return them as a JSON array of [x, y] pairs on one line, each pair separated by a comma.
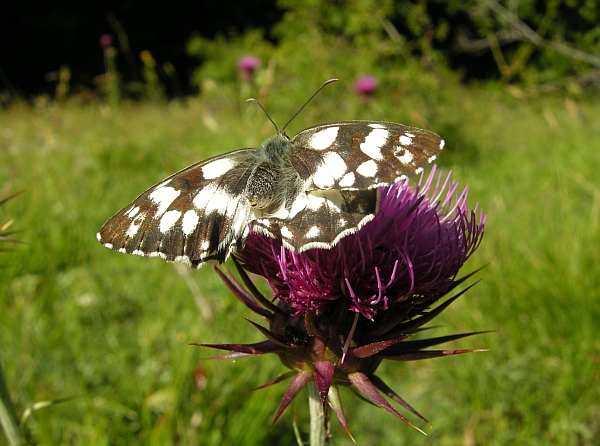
[[262, 189]]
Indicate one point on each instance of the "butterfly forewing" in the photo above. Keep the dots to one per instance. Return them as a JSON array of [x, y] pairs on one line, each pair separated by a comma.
[[362, 154], [194, 216], [309, 192]]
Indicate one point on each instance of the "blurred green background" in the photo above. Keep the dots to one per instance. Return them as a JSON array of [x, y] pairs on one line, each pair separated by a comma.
[[112, 331]]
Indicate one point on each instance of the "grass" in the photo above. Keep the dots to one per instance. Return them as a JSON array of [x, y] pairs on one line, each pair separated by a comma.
[[112, 330]]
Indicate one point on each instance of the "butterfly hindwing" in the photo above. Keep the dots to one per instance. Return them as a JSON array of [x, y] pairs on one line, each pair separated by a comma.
[[326, 217]]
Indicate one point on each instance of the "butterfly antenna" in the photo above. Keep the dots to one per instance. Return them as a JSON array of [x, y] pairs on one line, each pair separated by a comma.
[[309, 99], [263, 109]]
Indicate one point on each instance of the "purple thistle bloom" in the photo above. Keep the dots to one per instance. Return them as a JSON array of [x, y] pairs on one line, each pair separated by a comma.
[[337, 313], [247, 64], [414, 246], [105, 40], [365, 86]]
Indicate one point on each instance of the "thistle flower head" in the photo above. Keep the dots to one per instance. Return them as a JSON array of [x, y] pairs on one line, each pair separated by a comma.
[[365, 85], [247, 64], [105, 40], [414, 246], [337, 313]]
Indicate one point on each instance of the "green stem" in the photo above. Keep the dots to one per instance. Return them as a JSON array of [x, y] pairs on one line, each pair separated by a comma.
[[8, 417], [318, 417]]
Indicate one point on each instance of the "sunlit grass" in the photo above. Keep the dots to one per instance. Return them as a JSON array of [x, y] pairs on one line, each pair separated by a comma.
[[112, 330]]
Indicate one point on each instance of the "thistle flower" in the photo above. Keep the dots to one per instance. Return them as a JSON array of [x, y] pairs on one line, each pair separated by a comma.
[[338, 313], [365, 86], [110, 80], [247, 64], [105, 40]]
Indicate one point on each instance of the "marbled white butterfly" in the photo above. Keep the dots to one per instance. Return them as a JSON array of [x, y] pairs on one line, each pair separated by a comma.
[[309, 192]]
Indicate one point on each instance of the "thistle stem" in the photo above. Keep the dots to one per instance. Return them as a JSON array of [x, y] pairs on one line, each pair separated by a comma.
[[318, 417]]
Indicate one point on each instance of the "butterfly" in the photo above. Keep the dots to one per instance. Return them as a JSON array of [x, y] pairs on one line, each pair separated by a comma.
[[309, 191]]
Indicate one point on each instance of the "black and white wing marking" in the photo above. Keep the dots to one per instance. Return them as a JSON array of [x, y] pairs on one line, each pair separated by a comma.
[[341, 165], [195, 216], [362, 154]]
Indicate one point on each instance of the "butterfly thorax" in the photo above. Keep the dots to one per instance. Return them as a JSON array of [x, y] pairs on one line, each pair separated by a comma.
[[277, 149], [273, 180]]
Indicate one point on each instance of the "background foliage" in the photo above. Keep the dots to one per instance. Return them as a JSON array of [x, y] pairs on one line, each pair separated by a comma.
[[540, 45], [110, 330]]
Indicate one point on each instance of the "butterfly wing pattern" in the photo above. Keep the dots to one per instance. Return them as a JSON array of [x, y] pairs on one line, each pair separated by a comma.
[[309, 192]]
